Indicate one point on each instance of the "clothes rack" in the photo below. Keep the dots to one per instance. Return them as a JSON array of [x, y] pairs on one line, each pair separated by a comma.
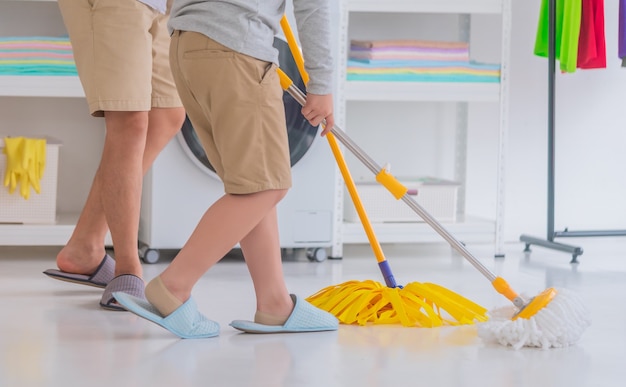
[[551, 234]]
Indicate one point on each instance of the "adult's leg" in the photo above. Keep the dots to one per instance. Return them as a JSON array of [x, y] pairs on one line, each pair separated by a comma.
[[104, 35], [85, 249], [119, 180]]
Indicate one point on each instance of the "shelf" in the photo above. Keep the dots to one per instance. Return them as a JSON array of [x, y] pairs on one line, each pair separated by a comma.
[[426, 6], [466, 229], [40, 86], [421, 91], [472, 230], [41, 234]]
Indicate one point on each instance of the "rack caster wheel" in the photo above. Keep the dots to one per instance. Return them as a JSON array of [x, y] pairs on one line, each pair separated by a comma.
[[149, 255], [316, 255]]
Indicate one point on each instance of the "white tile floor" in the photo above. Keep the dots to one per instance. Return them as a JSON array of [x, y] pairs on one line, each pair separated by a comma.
[[54, 334]]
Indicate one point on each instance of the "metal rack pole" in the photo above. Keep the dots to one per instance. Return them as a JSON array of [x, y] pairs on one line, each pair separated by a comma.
[[549, 241], [551, 234]]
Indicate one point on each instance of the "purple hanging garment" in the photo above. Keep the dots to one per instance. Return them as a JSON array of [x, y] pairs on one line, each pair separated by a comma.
[[622, 29]]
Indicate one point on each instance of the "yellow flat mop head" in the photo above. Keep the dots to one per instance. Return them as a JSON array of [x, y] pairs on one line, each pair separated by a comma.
[[417, 304], [552, 319]]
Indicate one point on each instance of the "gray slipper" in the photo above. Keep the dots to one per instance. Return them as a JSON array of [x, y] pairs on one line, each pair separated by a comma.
[[100, 278], [125, 283]]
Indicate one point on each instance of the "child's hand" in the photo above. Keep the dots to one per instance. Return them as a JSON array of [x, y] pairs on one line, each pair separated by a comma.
[[317, 108]]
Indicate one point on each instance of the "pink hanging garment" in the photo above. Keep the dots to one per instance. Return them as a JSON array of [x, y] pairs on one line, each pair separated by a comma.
[[591, 41]]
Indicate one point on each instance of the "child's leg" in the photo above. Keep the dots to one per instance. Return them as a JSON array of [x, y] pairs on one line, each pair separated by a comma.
[[223, 225], [261, 249]]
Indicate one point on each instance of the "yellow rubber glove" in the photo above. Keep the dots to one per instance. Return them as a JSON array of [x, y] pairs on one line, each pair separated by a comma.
[[40, 165], [13, 151], [26, 158], [33, 163]]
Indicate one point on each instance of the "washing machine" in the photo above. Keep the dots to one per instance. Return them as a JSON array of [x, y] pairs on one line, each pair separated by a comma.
[[182, 184]]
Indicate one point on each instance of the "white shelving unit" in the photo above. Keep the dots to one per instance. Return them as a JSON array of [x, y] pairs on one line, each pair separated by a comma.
[[466, 229], [36, 16]]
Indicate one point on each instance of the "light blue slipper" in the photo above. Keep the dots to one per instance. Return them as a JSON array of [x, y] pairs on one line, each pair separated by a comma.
[[185, 322], [304, 318]]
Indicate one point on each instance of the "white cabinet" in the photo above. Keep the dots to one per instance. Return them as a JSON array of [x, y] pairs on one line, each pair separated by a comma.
[[423, 126], [48, 106]]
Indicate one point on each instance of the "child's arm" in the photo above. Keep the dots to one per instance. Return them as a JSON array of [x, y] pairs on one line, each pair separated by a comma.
[[317, 108]]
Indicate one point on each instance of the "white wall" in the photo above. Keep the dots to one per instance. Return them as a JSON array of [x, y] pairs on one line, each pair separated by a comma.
[[590, 137]]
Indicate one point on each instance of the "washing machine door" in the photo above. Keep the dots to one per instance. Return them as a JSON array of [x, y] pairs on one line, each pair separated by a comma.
[[301, 134]]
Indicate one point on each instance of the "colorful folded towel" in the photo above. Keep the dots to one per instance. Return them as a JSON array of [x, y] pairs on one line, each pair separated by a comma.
[[422, 71], [407, 43], [416, 60], [408, 50], [36, 55]]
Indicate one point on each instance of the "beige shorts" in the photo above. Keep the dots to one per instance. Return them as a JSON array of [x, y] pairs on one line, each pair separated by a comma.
[[121, 52], [235, 104]]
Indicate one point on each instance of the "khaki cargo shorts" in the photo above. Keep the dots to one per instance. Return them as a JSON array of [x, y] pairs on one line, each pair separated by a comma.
[[121, 52], [235, 104]]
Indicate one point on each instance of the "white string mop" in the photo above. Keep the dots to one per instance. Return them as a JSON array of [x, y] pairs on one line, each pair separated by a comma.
[[559, 324]]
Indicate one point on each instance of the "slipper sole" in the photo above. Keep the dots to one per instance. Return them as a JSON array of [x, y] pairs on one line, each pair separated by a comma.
[[62, 276], [100, 278]]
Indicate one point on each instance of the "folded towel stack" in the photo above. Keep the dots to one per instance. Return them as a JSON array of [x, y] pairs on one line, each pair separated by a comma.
[[25, 164], [36, 55], [416, 60]]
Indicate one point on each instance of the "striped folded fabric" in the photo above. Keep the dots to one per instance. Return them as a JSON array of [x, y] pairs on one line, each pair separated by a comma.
[[415, 60], [36, 55]]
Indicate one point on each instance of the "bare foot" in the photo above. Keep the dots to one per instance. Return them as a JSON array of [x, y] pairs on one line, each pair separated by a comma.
[[79, 261], [280, 307]]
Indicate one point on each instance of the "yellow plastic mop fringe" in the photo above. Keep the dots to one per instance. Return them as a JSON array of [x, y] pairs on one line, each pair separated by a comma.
[[414, 305], [363, 302]]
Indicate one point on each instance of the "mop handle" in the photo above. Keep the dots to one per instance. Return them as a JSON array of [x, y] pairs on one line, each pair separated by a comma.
[[358, 205], [341, 162], [294, 48], [498, 283]]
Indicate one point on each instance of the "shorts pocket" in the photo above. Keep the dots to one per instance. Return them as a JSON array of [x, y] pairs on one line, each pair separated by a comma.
[[208, 54], [269, 73], [199, 46]]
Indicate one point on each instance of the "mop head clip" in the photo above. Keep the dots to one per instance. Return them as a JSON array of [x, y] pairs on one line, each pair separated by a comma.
[[536, 304], [552, 319]]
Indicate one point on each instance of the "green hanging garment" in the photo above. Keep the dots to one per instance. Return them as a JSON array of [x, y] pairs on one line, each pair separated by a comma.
[[568, 14]]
